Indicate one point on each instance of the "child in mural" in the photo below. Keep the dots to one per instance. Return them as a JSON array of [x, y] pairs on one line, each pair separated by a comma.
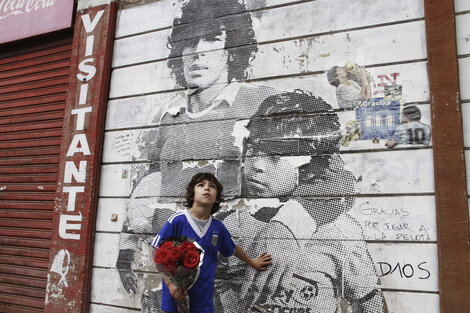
[[212, 44], [203, 196], [309, 135], [288, 157], [411, 131], [321, 259], [352, 84]]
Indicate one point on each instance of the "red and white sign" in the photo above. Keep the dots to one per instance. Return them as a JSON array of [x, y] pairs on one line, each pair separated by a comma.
[[72, 237], [25, 18]]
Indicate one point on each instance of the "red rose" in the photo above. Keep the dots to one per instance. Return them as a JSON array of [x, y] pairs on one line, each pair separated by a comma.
[[170, 266], [175, 253], [166, 245], [188, 246], [161, 256], [191, 259]]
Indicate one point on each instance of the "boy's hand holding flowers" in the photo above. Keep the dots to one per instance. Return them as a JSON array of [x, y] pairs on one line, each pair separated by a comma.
[[177, 293], [178, 261]]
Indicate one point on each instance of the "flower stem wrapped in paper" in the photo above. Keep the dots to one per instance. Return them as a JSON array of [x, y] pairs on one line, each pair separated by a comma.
[[179, 260]]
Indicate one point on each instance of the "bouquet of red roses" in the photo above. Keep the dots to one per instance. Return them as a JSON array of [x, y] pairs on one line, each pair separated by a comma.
[[179, 260]]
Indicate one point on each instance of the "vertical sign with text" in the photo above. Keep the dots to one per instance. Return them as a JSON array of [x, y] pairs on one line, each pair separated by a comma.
[[68, 280]]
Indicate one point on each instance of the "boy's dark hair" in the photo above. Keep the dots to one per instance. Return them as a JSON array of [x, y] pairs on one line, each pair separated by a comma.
[[207, 19], [196, 179]]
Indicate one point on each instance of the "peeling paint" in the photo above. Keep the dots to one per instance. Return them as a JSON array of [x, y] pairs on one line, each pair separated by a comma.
[[53, 292], [250, 205], [201, 163], [235, 204], [159, 287], [61, 265], [240, 132], [143, 258], [3, 188]]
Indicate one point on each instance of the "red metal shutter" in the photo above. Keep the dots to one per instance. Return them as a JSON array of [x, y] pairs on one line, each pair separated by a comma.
[[33, 84]]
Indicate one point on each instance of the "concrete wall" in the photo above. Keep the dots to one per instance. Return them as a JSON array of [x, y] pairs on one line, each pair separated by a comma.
[[377, 200]]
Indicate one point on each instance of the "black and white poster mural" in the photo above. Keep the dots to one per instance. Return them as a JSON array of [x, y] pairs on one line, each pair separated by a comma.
[[311, 146], [322, 262]]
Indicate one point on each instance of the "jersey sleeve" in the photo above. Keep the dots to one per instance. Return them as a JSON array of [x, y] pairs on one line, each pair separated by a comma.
[[165, 232], [227, 246]]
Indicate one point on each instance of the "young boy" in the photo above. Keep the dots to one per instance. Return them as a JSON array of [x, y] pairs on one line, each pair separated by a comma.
[[203, 197]]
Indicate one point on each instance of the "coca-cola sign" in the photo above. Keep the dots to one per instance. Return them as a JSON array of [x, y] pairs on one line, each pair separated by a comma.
[[25, 18]]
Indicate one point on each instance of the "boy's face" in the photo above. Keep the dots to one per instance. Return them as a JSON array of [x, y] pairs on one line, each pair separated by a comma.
[[205, 193], [205, 63], [270, 176]]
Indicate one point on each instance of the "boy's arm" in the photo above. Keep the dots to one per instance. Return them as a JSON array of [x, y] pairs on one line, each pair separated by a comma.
[[228, 247], [260, 263]]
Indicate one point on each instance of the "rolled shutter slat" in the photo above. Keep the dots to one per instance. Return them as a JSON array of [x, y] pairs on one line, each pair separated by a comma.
[[33, 85]]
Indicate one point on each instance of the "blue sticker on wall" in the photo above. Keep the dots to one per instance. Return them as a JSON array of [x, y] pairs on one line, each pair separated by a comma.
[[378, 118]]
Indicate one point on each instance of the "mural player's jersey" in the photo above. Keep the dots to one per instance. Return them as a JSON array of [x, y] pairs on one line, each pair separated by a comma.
[[214, 238], [413, 133], [309, 275], [205, 135]]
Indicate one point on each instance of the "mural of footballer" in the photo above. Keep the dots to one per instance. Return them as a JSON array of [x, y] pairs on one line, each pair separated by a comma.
[[212, 45], [322, 263]]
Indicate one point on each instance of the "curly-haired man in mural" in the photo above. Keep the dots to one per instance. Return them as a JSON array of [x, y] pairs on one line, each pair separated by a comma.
[[211, 45], [321, 261]]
